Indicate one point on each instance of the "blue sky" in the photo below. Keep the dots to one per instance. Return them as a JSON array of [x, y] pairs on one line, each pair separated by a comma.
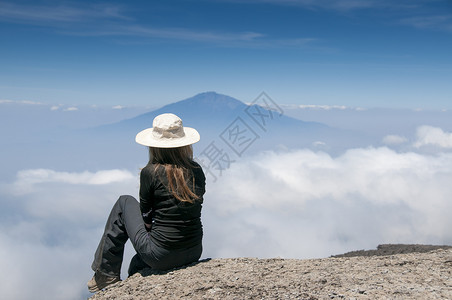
[[356, 53], [56, 192]]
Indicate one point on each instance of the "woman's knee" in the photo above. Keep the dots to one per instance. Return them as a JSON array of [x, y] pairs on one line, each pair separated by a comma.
[[126, 199]]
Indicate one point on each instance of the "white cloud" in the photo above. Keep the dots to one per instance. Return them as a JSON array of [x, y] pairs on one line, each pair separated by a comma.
[[57, 14], [297, 204], [49, 271], [319, 107], [322, 107], [345, 5], [54, 107], [27, 180], [436, 22], [182, 34], [90, 16], [308, 204], [433, 136], [118, 107], [228, 39], [72, 108], [30, 102], [319, 144], [4, 101], [52, 229], [394, 139], [69, 195]]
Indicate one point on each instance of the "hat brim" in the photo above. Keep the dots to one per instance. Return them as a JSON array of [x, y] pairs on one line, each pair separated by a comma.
[[146, 138]]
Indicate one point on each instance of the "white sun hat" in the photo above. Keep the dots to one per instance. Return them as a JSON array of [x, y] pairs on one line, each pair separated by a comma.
[[167, 132]]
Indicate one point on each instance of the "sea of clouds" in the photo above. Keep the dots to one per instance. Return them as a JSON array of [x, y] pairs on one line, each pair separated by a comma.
[[304, 204], [296, 203]]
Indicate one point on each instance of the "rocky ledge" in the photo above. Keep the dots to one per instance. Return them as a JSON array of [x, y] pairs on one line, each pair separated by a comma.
[[372, 275]]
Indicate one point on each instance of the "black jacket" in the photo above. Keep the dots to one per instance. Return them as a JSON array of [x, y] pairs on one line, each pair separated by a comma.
[[175, 224]]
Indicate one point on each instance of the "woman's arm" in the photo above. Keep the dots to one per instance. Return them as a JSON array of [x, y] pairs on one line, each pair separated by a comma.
[[146, 196]]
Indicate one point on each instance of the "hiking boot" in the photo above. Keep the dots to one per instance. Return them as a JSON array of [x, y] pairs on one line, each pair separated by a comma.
[[100, 281]]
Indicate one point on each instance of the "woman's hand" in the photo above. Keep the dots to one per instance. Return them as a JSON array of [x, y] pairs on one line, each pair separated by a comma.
[[148, 226]]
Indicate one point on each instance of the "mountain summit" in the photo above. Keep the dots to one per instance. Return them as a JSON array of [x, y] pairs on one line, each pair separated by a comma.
[[212, 114], [201, 110], [226, 123], [227, 120], [211, 101], [223, 121]]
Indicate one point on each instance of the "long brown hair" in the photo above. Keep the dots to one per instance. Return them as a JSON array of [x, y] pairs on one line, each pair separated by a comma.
[[178, 164]]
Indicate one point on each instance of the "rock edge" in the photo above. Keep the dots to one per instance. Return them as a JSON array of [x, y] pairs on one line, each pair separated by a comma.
[[401, 276]]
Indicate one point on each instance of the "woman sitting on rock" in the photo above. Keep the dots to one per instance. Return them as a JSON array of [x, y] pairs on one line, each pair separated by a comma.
[[165, 226]]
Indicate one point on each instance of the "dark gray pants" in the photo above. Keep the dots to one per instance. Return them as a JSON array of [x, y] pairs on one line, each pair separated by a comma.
[[125, 222]]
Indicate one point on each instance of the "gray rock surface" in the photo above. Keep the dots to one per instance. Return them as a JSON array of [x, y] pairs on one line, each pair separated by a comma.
[[413, 275], [391, 249]]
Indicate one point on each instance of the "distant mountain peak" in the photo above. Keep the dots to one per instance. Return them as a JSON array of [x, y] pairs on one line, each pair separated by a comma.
[[204, 102], [213, 99], [208, 93]]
